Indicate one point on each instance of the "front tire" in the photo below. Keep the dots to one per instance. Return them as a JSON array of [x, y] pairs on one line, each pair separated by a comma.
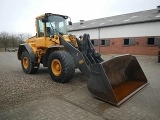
[[61, 66], [27, 66]]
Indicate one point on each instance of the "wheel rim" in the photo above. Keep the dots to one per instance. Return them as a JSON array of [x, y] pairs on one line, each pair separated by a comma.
[[56, 67], [25, 62]]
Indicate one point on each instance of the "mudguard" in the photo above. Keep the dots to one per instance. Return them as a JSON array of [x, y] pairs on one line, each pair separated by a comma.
[[26, 47]]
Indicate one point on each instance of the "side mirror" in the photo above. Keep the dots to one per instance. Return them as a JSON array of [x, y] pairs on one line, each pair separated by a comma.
[[69, 22]]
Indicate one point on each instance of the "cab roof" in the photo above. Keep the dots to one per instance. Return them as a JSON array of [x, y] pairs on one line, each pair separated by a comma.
[[49, 14]]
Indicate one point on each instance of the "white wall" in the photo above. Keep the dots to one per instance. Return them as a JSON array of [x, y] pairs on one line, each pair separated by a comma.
[[132, 30], [93, 33]]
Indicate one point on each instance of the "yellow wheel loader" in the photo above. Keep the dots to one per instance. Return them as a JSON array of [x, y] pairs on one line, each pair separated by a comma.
[[114, 81]]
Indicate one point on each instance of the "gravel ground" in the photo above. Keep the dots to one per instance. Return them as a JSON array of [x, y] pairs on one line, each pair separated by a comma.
[[18, 88]]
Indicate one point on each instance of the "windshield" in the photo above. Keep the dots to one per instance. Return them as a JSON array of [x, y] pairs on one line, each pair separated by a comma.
[[56, 25]]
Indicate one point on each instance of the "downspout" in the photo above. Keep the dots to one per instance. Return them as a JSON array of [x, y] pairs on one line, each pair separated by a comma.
[[98, 40]]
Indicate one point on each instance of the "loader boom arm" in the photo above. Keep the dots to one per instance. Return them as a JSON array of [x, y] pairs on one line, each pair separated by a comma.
[[85, 55], [79, 60], [88, 51]]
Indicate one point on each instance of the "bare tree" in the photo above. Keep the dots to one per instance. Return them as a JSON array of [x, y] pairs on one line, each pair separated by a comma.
[[4, 38], [29, 35], [26, 36], [23, 36], [13, 40]]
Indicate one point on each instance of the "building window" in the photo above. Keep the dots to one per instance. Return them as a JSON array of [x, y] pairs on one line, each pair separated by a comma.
[[126, 41], [150, 41], [129, 42], [153, 41], [94, 42], [157, 41], [105, 42]]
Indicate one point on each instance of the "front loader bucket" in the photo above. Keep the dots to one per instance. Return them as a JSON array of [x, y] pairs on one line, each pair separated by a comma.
[[117, 79]]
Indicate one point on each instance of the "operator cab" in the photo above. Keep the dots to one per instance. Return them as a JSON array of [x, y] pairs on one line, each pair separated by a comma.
[[50, 24]]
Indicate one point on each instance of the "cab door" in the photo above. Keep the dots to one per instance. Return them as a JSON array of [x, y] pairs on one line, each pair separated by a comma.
[[40, 38]]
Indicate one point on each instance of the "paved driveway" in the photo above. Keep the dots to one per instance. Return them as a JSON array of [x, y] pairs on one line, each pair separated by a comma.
[[34, 97]]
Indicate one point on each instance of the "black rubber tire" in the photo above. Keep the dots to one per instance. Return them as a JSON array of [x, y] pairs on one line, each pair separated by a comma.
[[159, 59], [30, 69], [67, 65]]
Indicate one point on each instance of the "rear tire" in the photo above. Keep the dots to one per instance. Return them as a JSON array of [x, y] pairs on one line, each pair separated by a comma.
[[61, 66], [27, 65]]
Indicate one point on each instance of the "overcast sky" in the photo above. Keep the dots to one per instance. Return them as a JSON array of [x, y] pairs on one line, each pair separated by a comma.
[[18, 16]]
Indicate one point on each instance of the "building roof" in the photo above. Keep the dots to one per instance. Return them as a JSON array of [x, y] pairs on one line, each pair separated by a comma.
[[124, 19]]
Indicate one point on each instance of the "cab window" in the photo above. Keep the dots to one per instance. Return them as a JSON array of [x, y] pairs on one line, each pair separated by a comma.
[[40, 28]]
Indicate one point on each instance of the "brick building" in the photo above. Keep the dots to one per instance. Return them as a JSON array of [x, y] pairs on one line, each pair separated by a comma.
[[133, 33]]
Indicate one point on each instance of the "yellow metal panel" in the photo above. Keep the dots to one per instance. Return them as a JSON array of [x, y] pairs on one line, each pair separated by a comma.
[[49, 42], [40, 42]]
